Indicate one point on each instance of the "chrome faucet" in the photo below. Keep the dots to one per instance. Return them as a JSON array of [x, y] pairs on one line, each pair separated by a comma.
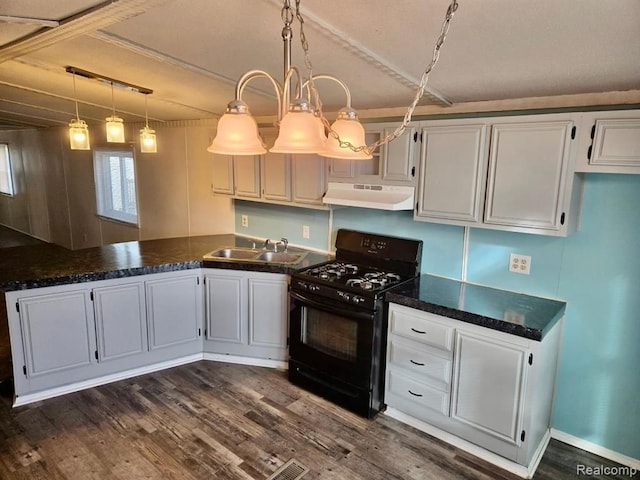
[[266, 244], [283, 241]]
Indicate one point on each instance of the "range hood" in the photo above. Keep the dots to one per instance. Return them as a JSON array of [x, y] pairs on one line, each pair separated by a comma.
[[382, 197]]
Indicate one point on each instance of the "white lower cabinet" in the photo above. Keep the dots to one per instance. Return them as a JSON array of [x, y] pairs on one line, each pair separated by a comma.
[[174, 311], [57, 332], [121, 325], [73, 336], [488, 385], [69, 337], [246, 313], [488, 388]]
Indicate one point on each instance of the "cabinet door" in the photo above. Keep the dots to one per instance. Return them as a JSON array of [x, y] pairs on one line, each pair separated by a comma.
[[370, 171], [173, 311], [488, 385], [616, 142], [339, 168], [309, 178], [246, 175], [268, 314], [452, 173], [222, 174], [527, 169], [121, 324], [58, 332], [276, 177], [398, 157], [226, 307]]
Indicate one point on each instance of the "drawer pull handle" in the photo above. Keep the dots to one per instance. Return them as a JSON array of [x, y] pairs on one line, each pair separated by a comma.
[[417, 363], [418, 331], [414, 394]]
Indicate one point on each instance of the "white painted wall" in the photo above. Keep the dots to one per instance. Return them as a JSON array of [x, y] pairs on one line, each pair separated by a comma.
[[55, 198]]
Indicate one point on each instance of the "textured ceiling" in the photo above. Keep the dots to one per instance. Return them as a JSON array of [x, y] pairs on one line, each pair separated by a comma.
[[191, 52]]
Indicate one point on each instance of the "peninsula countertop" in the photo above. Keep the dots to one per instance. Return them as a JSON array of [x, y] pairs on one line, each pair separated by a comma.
[[50, 265], [515, 313]]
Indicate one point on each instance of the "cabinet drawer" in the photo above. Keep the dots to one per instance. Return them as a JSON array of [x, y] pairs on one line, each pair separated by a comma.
[[406, 390], [405, 355], [420, 326]]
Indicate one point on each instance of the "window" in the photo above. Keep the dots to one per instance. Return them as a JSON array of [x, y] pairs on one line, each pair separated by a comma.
[[6, 179], [116, 184]]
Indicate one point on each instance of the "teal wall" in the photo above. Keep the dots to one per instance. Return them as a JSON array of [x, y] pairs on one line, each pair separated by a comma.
[[596, 271], [276, 221]]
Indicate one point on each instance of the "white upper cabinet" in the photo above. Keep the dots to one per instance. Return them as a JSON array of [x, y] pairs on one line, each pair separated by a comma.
[[454, 166], [507, 173], [610, 142], [222, 175], [392, 164], [276, 174], [309, 180], [527, 173], [296, 180], [246, 176]]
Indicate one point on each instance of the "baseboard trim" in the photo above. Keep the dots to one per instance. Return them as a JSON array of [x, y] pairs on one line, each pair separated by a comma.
[[595, 449], [96, 382], [497, 460], [240, 360]]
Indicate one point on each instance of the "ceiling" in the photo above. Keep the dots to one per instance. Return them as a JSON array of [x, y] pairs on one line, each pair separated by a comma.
[[191, 52]]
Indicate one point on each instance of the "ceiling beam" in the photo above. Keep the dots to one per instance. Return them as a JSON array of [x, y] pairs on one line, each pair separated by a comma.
[[99, 16]]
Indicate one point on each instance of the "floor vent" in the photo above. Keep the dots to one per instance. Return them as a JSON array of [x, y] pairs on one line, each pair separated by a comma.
[[292, 470]]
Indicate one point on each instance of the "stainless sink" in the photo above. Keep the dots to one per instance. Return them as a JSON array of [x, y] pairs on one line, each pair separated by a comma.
[[233, 253], [279, 257], [251, 255]]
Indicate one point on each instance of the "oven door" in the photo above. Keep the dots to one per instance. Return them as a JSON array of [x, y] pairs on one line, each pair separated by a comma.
[[332, 338]]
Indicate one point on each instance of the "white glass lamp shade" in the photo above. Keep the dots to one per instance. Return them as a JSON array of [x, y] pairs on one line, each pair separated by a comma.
[[299, 133], [148, 142], [349, 130], [237, 134], [115, 130], [78, 135]]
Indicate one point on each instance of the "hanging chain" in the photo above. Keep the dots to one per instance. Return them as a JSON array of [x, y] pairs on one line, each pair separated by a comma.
[[286, 14], [453, 6], [309, 66]]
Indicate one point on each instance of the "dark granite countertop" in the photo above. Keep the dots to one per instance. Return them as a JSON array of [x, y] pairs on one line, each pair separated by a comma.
[[47, 265], [515, 313]]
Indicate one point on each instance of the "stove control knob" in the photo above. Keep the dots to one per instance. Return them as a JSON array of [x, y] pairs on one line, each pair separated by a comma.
[[303, 285], [357, 299], [346, 297], [314, 288]]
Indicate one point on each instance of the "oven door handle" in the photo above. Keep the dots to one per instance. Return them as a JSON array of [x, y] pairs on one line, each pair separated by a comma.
[[358, 315]]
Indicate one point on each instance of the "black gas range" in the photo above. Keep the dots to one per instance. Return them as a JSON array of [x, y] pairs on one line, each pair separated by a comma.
[[337, 321]]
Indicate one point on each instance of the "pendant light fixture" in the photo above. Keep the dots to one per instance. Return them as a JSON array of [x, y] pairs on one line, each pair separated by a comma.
[[301, 122], [148, 142], [115, 125], [78, 129]]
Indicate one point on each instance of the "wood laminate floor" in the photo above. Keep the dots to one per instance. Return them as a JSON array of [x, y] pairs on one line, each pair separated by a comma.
[[210, 420]]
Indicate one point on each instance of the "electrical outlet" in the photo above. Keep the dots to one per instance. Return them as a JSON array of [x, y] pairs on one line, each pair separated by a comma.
[[520, 263], [305, 231], [245, 220]]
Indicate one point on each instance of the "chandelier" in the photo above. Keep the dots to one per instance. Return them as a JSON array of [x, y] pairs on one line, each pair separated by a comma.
[[301, 122]]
